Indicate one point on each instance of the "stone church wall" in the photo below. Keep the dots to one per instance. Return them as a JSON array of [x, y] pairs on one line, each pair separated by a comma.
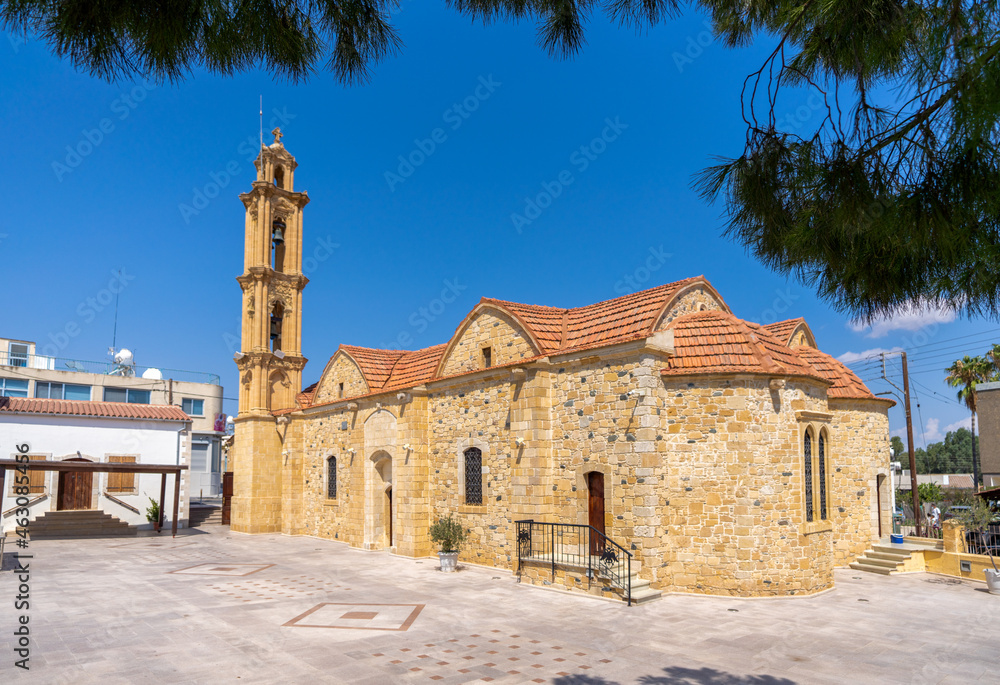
[[489, 328], [860, 451], [342, 370]]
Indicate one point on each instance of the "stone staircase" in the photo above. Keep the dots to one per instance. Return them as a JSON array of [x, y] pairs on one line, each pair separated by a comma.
[[84, 523], [574, 558], [204, 515], [887, 558]]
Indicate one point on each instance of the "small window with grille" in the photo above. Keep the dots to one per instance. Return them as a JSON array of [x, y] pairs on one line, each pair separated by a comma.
[[807, 462], [473, 476], [822, 476], [331, 478], [487, 357]]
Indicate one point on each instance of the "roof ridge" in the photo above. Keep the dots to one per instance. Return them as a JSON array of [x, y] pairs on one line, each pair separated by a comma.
[[760, 351], [595, 304]]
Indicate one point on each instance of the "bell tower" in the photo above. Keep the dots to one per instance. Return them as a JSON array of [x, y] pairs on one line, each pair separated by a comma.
[[270, 359]]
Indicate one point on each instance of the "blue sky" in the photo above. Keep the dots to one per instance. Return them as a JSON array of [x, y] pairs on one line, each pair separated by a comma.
[[145, 178]]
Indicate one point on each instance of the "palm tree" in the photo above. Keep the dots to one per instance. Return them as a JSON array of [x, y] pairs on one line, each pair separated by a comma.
[[964, 374]]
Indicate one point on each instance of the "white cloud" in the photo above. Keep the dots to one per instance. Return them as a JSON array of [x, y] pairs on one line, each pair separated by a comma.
[[911, 317], [964, 423], [932, 432], [851, 357]]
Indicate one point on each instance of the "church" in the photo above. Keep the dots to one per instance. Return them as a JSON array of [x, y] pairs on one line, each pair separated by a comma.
[[714, 455]]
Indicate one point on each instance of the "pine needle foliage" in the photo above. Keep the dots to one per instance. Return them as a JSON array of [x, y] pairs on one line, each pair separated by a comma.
[[893, 198]]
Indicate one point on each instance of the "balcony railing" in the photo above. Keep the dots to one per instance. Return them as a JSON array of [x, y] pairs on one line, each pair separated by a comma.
[[108, 368]]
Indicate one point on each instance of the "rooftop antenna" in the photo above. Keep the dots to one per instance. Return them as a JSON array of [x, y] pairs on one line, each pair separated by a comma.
[[261, 114]]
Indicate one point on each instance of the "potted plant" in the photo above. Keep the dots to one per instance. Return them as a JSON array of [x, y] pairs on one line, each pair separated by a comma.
[[977, 520], [450, 535], [153, 513]]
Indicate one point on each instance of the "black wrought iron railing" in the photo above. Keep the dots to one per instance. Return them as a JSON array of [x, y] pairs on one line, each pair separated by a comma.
[[575, 545], [987, 542]]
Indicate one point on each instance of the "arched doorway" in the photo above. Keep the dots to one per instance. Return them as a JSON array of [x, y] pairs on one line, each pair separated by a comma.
[[75, 488], [595, 509], [380, 503]]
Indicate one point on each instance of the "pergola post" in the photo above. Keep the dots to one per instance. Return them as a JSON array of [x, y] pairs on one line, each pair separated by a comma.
[[177, 498], [163, 496]]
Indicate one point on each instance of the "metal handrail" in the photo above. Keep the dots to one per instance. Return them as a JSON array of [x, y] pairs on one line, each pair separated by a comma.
[[18, 506], [118, 501], [537, 541]]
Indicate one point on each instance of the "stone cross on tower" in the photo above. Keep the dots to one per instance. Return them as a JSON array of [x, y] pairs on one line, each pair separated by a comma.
[[277, 135]]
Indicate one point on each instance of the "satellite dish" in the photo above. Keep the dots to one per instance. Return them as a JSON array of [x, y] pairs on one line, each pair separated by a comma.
[[152, 374], [124, 357]]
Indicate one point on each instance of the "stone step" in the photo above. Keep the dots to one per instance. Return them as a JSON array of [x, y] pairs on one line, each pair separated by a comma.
[[645, 595], [78, 523], [888, 556], [862, 566], [887, 563]]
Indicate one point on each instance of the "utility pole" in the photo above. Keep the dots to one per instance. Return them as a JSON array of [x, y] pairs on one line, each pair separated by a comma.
[[909, 437]]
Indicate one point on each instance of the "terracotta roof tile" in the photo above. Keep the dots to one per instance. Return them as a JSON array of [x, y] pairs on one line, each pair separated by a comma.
[[305, 398], [782, 330], [718, 342], [376, 365], [845, 383], [621, 319], [415, 368], [545, 323], [111, 410]]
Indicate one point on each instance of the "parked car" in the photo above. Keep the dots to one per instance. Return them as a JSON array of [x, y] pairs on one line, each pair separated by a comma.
[[954, 511]]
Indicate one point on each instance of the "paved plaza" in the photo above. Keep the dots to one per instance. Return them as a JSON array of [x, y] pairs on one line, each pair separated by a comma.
[[227, 608]]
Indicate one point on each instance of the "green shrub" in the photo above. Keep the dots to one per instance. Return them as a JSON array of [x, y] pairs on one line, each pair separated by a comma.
[[977, 519], [448, 533], [153, 510]]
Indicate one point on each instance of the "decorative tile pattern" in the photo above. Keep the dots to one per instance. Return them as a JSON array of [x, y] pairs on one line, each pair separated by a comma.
[[397, 617], [492, 657], [270, 590], [222, 568], [154, 543]]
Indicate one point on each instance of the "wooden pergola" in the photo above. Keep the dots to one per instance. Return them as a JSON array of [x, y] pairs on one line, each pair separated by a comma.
[[99, 467]]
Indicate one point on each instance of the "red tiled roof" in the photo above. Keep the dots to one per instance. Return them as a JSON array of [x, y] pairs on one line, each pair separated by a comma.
[[596, 325], [375, 365], [111, 410], [415, 368], [845, 383], [305, 398], [718, 342], [783, 330], [545, 323]]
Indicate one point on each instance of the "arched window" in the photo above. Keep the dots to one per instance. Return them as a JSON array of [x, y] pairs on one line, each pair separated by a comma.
[[277, 314], [331, 478], [279, 176], [473, 475], [278, 227], [807, 475], [822, 475]]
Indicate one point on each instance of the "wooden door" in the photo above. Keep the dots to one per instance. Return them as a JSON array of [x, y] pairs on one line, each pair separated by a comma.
[[227, 497], [595, 502], [879, 480], [75, 489]]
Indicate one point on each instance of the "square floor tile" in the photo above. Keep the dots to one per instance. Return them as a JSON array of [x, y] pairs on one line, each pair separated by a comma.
[[221, 568], [359, 616]]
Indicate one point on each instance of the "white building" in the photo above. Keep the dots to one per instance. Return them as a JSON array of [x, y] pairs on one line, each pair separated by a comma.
[[110, 432], [25, 374]]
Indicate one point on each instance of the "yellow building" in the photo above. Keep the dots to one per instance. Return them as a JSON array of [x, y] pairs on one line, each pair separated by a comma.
[[711, 454]]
